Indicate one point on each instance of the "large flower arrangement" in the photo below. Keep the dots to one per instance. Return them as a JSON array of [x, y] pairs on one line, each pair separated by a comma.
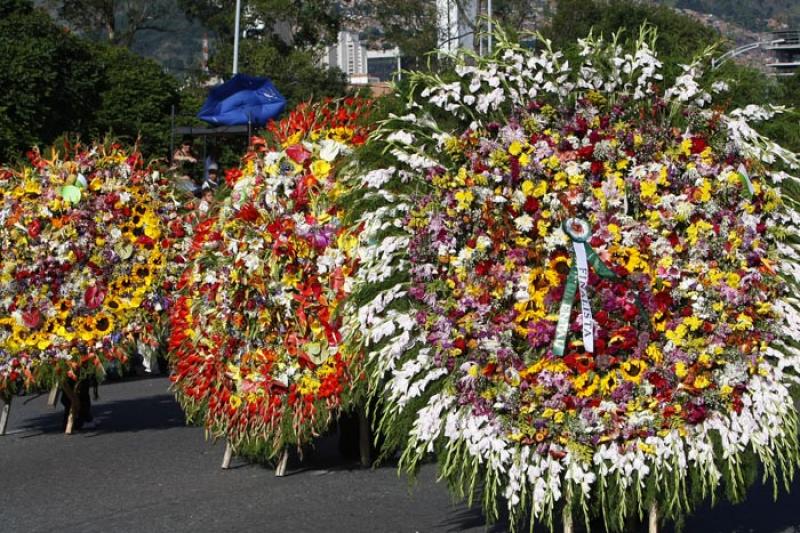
[[80, 252], [662, 217], [256, 337]]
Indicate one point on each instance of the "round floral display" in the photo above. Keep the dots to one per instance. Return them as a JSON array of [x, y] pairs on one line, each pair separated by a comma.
[[256, 338], [79, 255], [588, 301]]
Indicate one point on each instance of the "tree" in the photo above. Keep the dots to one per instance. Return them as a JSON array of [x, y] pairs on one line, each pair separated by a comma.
[[296, 73], [412, 24], [135, 100], [115, 21], [680, 37], [285, 24], [47, 78], [55, 83], [285, 41]]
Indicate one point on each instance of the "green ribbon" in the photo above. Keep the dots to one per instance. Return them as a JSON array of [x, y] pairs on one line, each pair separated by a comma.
[[579, 232]]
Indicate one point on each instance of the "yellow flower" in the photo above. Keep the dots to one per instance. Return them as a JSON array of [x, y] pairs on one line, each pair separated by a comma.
[[680, 369], [515, 148], [104, 323], [464, 198], [701, 382], [633, 370], [743, 322], [693, 322], [235, 400], [648, 189], [609, 382], [586, 384], [654, 353], [320, 168]]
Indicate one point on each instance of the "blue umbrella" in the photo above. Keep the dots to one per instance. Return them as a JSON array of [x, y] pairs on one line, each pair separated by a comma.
[[242, 100]]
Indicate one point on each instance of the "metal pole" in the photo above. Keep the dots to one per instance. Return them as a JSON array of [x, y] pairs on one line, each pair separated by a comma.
[[236, 37], [489, 19]]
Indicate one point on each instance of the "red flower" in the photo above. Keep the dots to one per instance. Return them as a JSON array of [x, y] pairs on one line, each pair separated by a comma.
[[298, 153], [32, 318], [248, 212], [34, 228], [586, 152], [580, 363], [93, 297], [232, 175], [698, 145]]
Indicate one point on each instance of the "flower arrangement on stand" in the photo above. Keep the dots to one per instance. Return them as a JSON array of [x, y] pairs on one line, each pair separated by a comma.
[[256, 342], [581, 295], [80, 253]]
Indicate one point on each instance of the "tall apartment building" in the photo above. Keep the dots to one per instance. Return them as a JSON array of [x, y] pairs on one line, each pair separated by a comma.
[[787, 52], [349, 54], [455, 25]]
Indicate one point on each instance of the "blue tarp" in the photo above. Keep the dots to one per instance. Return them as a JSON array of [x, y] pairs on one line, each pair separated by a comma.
[[242, 100]]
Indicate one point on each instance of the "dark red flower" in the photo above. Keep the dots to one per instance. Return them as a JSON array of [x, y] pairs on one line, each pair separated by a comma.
[[698, 145]]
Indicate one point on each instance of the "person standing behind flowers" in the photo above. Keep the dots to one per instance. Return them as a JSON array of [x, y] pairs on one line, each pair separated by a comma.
[[184, 163]]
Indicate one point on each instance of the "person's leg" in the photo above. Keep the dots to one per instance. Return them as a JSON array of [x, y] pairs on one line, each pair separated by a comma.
[[85, 413]]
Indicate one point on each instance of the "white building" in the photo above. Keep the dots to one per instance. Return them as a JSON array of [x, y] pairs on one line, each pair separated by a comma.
[[348, 54], [456, 25]]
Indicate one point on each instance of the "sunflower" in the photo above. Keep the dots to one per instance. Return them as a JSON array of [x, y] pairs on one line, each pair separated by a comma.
[[113, 304], [141, 273], [633, 370], [103, 323], [609, 383], [122, 284], [86, 329]]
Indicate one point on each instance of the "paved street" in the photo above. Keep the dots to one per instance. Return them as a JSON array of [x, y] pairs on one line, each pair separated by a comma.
[[142, 469]]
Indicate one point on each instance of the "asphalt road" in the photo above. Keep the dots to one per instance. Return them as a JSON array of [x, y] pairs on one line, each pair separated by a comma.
[[143, 469]]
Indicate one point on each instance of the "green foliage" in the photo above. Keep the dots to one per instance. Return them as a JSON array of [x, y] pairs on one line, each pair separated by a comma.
[[135, 100], [287, 23], [45, 75], [680, 37], [295, 73], [115, 21], [57, 84]]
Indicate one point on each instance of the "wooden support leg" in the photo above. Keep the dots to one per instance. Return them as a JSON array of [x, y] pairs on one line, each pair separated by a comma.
[[363, 438], [567, 521], [53, 398], [74, 400], [566, 514], [226, 459], [4, 414], [280, 471], [653, 521]]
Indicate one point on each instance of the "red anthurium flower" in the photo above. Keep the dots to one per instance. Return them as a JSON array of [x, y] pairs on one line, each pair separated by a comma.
[[32, 318], [94, 296], [298, 153]]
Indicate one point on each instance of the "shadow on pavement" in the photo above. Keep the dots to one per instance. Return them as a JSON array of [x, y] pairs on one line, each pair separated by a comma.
[[782, 516], [140, 414]]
